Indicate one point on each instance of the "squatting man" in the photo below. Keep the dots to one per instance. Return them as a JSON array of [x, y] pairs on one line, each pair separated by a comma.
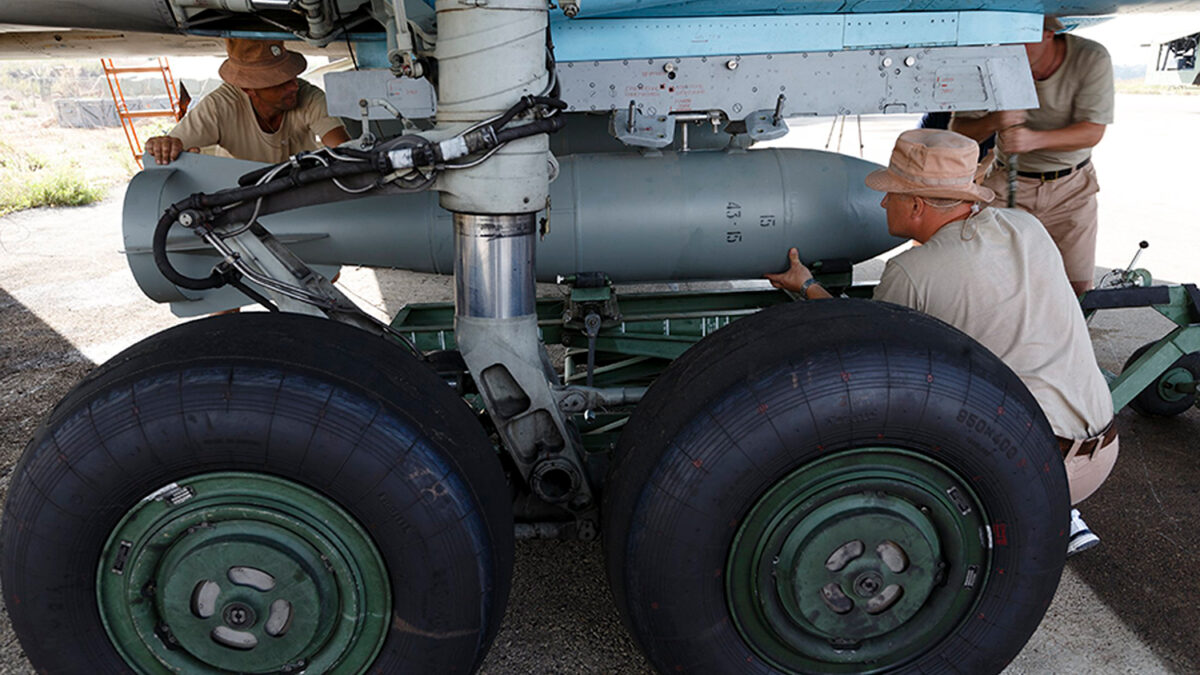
[[996, 275]]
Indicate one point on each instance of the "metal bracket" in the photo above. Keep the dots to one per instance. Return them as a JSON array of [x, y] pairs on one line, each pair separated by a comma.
[[643, 131], [591, 293], [765, 125], [403, 57], [593, 299]]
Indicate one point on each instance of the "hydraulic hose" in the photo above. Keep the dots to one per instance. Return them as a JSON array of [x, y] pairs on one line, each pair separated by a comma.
[[214, 280], [542, 126], [233, 196], [203, 208]]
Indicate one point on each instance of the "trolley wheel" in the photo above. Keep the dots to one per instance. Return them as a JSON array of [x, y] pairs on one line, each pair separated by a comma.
[[1164, 397]]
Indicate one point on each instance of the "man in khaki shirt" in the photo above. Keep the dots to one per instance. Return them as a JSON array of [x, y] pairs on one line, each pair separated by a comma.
[[262, 112], [996, 275], [1051, 147]]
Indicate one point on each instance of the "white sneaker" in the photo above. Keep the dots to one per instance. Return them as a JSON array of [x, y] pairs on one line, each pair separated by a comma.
[[1081, 537]]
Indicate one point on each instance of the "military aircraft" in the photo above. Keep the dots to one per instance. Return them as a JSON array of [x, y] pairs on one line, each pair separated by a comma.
[[780, 487]]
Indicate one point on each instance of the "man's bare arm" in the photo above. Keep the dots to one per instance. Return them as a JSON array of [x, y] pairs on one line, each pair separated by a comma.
[[335, 137], [1076, 136], [979, 128]]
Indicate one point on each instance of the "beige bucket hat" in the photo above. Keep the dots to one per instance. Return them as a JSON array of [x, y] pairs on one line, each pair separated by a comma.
[[933, 163], [258, 64]]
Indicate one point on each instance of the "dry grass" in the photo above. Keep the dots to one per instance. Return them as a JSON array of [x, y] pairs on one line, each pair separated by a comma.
[[28, 180], [42, 164]]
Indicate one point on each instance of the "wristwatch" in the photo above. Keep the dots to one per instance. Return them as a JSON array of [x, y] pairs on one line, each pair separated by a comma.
[[804, 287]]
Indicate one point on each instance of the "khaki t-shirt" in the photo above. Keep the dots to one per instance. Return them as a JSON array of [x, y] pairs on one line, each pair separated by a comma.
[[998, 277], [1081, 90], [225, 118]]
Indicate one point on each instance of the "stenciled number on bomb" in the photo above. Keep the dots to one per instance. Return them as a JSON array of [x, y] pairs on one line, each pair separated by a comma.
[[733, 211]]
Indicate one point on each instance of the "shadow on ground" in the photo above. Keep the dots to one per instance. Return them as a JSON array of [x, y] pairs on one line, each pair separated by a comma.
[[38, 366], [1146, 515]]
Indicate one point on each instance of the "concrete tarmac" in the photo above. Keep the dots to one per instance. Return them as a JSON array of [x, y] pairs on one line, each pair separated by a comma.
[[67, 303]]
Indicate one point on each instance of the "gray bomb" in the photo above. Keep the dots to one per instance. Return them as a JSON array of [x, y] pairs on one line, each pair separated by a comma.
[[637, 218]]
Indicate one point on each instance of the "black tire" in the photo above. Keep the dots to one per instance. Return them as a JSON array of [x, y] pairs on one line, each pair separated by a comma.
[[290, 405], [768, 408], [1157, 399]]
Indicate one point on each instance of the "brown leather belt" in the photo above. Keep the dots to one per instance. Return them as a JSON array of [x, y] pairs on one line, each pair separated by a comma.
[[1090, 446]]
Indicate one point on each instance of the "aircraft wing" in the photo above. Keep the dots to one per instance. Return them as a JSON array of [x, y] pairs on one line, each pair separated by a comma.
[[596, 28]]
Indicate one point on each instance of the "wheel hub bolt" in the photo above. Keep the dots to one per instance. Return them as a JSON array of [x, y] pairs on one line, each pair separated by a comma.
[[238, 615], [868, 584]]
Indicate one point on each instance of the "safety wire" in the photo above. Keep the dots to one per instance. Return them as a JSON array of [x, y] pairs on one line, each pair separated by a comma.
[[257, 203], [354, 191]]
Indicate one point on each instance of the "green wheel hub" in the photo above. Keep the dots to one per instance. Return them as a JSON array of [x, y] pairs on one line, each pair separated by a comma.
[[1173, 385], [863, 559], [249, 573]]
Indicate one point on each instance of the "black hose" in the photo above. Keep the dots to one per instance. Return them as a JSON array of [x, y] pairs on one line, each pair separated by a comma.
[[282, 183], [233, 196], [542, 126], [551, 102], [423, 153], [254, 176], [214, 280], [525, 103]]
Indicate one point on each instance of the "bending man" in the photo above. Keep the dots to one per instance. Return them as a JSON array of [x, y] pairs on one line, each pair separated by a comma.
[[996, 275], [262, 112]]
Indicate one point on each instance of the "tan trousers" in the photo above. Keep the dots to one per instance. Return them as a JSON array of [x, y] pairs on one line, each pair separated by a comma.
[[1085, 474], [1067, 208]]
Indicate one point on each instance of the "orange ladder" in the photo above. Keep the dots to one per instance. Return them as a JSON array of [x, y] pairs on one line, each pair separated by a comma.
[[112, 73]]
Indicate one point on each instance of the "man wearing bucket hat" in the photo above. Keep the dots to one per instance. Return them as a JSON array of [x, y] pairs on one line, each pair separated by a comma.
[[262, 112], [1050, 148], [996, 275]]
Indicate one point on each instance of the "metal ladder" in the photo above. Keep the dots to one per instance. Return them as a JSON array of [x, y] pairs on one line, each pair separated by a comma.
[[112, 73]]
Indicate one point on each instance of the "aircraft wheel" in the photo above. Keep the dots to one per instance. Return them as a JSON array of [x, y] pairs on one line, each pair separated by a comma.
[[838, 486], [1165, 397], [258, 493]]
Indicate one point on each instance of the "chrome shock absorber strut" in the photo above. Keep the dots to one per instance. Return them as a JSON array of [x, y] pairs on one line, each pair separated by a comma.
[[489, 56]]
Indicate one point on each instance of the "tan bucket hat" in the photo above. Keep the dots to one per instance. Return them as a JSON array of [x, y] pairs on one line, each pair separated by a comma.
[[1052, 23], [933, 163], [258, 64]]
